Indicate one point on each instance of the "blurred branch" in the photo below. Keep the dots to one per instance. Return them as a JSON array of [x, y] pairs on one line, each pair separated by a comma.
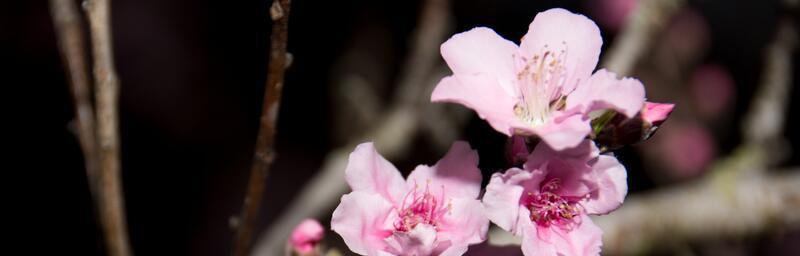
[[721, 206], [647, 20], [265, 142], [68, 28], [763, 124], [112, 209], [391, 132]]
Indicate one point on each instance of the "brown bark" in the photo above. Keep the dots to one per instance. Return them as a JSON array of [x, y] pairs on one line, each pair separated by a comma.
[[265, 142]]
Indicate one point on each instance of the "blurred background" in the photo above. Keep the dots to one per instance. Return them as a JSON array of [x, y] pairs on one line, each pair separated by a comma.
[[192, 77]]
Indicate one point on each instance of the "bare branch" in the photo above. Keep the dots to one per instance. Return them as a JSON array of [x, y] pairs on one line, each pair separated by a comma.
[[67, 22], [265, 143], [112, 209], [764, 122], [647, 20], [724, 206]]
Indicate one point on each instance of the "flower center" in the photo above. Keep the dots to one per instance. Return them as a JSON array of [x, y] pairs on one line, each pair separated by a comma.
[[549, 208], [540, 82], [420, 208]]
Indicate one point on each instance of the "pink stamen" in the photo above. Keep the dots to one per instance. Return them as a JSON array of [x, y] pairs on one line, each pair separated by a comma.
[[549, 208], [424, 208]]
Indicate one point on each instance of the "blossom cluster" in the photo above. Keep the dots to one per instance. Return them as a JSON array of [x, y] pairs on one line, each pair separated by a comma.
[[562, 117]]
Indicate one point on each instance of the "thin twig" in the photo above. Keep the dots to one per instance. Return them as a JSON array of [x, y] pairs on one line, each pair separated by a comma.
[[112, 209], [647, 20], [265, 143], [67, 22], [391, 132]]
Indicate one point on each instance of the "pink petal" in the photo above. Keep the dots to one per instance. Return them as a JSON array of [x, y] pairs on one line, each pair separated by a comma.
[[481, 50], [368, 171], [418, 241], [362, 219], [562, 133], [577, 156], [502, 198], [454, 250], [464, 224], [582, 240], [612, 186], [656, 113], [306, 235], [457, 172], [576, 35], [604, 91], [533, 243], [482, 93]]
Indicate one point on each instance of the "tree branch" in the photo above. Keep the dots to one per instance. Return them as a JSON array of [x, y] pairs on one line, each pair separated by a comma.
[[67, 23], [764, 122], [112, 210], [722, 206], [647, 20], [265, 142]]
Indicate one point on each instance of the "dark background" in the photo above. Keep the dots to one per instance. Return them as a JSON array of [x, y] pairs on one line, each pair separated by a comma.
[[192, 76]]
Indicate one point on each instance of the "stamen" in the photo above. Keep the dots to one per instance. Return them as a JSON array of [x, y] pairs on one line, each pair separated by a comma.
[[424, 208], [548, 208], [540, 82]]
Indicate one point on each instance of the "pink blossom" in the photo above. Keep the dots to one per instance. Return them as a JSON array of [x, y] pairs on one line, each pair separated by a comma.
[[547, 202], [542, 87], [656, 113], [434, 212], [306, 236]]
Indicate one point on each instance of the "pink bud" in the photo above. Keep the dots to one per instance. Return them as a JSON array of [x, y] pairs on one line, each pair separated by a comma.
[[656, 113], [306, 236]]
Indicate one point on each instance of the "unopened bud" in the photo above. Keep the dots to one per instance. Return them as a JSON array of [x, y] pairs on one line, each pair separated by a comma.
[[306, 238], [613, 131]]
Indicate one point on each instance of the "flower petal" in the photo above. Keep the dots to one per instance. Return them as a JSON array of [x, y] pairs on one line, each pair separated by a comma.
[[464, 224], [418, 241], [656, 113], [482, 93], [533, 243], [457, 172], [611, 186], [581, 240], [604, 91], [557, 29], [562, 133], [481, 50], [502, 198], [362, 219], [368, 171]]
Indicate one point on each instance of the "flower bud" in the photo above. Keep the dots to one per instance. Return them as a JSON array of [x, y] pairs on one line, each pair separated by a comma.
[[306, 238]]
